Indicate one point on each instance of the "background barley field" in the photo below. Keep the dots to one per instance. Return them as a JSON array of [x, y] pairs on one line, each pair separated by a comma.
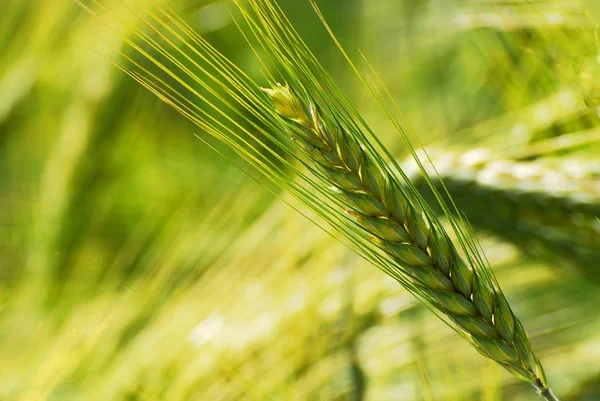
[[136, 263]]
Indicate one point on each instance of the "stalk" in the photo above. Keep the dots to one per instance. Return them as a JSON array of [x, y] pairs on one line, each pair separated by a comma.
[[546, 393], [420, 249]]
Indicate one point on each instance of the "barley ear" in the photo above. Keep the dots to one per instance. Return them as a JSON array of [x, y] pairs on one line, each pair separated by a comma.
[[410, 236]]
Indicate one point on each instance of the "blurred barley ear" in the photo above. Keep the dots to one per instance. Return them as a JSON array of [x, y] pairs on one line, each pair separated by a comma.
[[547, 208]]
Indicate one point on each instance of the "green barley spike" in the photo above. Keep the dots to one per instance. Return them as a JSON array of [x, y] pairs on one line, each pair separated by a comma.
[[451, 284]]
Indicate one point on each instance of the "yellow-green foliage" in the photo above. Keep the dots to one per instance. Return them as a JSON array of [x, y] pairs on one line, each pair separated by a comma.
[[136, 263]]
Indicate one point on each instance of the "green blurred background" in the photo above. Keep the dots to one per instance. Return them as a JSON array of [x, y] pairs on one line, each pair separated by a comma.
[[138, 264]]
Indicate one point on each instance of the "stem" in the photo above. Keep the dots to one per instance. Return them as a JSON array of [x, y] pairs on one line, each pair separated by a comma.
[[545, 392]]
